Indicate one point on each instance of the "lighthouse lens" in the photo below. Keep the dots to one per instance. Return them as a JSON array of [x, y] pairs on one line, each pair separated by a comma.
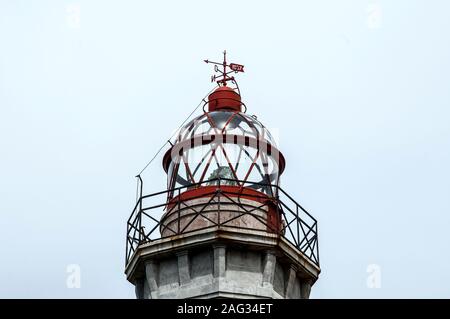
[[227, 120]]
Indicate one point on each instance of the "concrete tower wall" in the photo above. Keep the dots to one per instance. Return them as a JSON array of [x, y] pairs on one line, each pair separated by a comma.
[[222, 270]]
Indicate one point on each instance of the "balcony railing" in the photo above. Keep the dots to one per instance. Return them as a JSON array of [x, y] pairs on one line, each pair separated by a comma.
[[296, 225]]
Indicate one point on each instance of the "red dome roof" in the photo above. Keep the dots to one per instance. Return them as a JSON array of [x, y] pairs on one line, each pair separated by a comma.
[[224, 98]]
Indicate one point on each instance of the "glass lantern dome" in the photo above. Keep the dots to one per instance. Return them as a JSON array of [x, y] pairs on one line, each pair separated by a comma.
[[226, 144]]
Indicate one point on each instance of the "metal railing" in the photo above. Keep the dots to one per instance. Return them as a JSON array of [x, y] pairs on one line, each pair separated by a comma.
[[144, 225]]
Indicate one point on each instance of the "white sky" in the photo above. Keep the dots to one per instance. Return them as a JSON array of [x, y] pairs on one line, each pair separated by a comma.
[[358, 91]]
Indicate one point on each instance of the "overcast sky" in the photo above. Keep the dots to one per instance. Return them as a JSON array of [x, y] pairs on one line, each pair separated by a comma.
[[358, 91]]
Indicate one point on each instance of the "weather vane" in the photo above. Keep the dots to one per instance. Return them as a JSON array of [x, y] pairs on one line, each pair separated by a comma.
[[224, 76]]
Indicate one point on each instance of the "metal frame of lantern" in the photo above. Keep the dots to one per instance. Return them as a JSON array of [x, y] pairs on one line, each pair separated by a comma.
[[222, 126]]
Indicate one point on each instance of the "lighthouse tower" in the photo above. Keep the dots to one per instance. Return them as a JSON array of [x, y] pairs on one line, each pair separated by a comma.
[[224, 227]]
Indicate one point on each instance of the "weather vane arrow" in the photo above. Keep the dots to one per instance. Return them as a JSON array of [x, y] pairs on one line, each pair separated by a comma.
[[223, 76]]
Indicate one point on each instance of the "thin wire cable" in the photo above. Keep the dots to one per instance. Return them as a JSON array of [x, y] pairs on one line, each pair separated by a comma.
[[137, 190], [164, 145]]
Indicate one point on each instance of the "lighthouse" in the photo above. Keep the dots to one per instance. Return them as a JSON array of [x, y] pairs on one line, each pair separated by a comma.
[[223, 227]]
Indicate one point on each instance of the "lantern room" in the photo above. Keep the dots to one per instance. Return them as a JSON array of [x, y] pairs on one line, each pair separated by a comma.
[[224, 143]]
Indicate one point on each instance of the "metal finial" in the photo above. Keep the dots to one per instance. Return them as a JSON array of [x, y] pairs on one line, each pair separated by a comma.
[[223, 76]]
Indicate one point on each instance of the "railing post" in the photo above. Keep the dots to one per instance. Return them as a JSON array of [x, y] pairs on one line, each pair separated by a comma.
[[140, 208], [279, 216], [298, 226], [317, 244], [218, 208], [179, 212], [126, 248]]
